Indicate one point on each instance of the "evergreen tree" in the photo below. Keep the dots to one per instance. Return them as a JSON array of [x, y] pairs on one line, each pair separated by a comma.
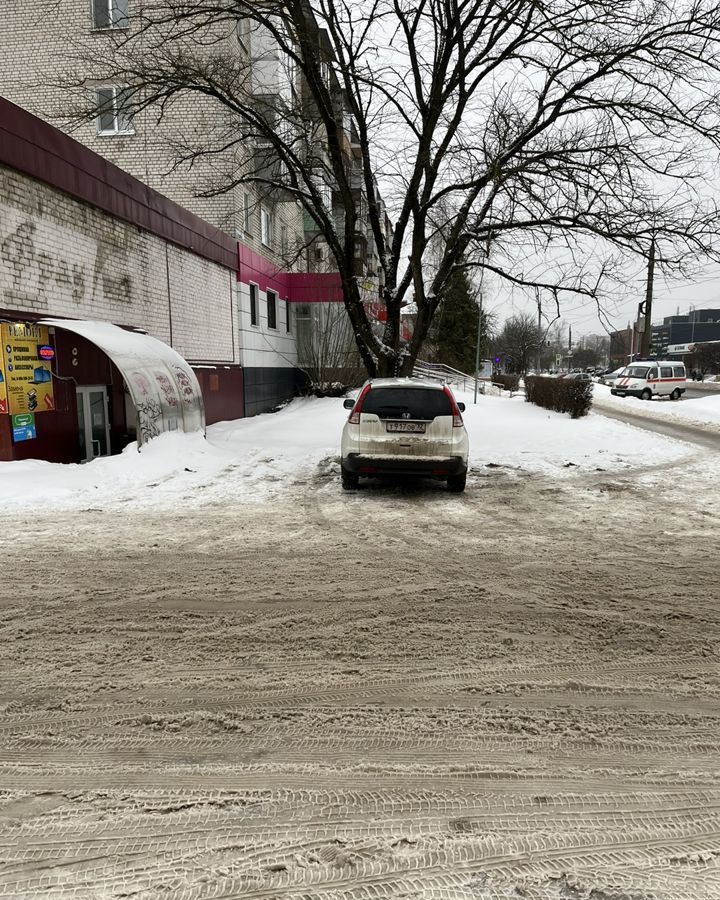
[[455, 337]]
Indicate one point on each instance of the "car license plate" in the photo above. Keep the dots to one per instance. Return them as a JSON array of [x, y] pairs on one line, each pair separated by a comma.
[[407, 427]]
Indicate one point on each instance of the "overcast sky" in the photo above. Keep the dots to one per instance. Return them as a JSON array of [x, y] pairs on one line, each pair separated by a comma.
[[702, 291]]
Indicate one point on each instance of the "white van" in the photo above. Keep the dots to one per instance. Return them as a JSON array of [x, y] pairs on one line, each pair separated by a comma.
[[648, 379]]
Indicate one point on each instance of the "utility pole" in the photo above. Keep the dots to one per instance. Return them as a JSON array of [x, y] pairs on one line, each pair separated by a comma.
[[646, 308], [569, 347]]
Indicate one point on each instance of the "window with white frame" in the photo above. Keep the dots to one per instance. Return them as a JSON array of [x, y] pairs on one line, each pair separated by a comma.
[[288, 320], [113, 113], [326, 194], [253, 304], [272, 309], [110, 13], [292, 75], [266, 226]]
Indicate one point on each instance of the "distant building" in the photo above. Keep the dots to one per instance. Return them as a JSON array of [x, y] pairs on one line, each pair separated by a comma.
[[621, 343], [677, 334]]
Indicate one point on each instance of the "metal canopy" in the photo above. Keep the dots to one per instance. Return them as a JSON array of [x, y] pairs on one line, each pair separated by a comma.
[[163, 387]]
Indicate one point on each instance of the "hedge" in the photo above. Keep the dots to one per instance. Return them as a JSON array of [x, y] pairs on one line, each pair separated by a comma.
[[508, 382], [564, 395]]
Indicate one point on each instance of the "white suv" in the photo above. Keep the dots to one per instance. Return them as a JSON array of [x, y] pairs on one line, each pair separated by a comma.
[[405, 426]]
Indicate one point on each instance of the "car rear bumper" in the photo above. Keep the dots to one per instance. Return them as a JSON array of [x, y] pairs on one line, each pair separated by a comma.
[[428, 466]]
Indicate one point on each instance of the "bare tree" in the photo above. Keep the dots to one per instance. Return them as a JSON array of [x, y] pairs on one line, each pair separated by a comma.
[[326, 349], [563, 130], [518, 343], [706, 357]]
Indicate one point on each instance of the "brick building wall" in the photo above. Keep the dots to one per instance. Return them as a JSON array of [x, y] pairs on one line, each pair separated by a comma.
[[61, 257], [47, 47]]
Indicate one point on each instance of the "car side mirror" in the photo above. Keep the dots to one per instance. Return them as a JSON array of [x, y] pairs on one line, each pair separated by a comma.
[[461, 407], [348, 403]]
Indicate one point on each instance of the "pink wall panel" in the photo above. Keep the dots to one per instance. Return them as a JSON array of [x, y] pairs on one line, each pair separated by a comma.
[[297, 287]]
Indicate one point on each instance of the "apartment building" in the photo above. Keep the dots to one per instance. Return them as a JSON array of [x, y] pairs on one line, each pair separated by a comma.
[[46, 47], [286, 297]]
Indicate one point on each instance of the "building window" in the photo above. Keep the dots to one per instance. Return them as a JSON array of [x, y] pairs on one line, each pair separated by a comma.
[[272, 309], [247, 213], [266, 227], [288, 327], [283, 239], [113, 111], [253, 304], [110, 13], [292, 76], [243, 34]]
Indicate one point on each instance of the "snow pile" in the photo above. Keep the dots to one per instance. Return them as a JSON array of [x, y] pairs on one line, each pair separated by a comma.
[[251, 459], [703, 412], [510, 431]]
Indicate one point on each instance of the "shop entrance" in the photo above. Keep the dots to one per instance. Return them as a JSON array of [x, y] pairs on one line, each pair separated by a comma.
[[93, 425]]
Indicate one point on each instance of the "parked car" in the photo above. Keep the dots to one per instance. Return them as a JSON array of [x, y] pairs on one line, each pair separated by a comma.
[[610, 376], [658, 378], [579, 376], [405, 426]]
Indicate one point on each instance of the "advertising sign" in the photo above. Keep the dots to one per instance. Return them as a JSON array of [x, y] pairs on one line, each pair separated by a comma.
[[27, 377], [23, 427], [3, 392], [681, 348]]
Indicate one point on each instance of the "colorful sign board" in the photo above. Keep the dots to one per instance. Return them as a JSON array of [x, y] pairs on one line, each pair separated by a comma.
[[23, 426], [3, 392], [27, 377]]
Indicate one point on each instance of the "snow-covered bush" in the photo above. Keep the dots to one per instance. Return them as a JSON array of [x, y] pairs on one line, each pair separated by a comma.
[[565, 395]]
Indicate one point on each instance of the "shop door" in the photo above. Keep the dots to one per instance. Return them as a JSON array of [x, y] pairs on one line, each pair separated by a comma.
[[93, 425]]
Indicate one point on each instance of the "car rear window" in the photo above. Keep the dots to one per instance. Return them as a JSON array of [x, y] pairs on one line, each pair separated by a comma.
[[407, 403]]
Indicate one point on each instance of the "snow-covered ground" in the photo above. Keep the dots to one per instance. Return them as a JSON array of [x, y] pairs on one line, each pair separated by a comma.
[[703, 411], [251, 458], [241, 681]]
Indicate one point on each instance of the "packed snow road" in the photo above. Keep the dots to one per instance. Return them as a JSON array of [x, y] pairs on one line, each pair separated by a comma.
[[512, 693]]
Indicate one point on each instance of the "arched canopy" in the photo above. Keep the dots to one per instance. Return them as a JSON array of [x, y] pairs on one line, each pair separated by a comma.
[[163, 387]]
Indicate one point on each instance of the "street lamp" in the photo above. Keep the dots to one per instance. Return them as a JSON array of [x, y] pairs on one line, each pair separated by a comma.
[[477, 344]]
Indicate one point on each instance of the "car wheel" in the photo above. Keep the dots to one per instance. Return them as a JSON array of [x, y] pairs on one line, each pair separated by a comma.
[[456, 483], [350, 480], [646, 395], [676, 394]]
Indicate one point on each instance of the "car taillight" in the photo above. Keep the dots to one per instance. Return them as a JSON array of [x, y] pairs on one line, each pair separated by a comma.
[[354, 417], [457, 418]]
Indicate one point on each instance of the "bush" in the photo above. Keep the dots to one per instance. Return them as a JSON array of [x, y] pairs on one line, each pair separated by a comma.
[[564, 395], [508, 382]]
